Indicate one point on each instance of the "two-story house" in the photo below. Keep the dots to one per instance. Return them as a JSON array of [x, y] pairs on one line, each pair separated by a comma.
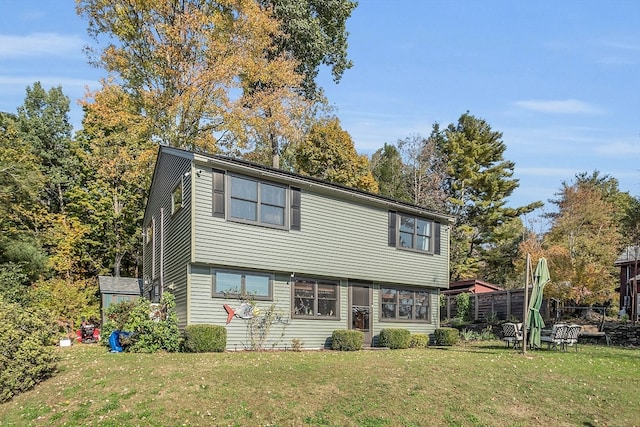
[[322, 255], [629, 263]]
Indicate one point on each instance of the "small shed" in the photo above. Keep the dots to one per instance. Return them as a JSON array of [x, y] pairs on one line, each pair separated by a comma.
[[473, 286], [116, 289]]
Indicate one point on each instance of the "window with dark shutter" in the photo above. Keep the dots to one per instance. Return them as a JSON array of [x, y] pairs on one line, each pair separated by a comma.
[[392, 228], [436, 238], [295, 208], [218, 193]]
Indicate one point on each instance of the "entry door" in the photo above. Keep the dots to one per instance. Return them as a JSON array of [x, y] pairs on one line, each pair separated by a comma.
[[360, 295]]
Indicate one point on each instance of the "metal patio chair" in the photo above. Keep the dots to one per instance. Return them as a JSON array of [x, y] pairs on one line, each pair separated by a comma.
[[511, 334], [556, 337]]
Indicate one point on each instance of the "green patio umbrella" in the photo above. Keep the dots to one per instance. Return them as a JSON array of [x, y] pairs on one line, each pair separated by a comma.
[[534, 322]]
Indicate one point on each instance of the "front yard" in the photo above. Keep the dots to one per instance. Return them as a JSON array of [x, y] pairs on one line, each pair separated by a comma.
[[479, 384]]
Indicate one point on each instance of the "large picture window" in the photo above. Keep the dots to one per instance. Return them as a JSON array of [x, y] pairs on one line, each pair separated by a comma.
[[404, 305], [315, 298], [258, 202], [254, 285]]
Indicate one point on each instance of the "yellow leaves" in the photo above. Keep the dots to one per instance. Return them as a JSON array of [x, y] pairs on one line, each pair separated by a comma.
[[189, 67], [66, 235]]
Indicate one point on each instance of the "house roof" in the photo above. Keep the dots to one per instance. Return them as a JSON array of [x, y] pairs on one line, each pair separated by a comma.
[[120, 285], [629, 254], [239, 165]]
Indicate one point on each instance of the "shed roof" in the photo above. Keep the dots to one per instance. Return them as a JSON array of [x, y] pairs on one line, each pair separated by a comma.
[[120, 285]]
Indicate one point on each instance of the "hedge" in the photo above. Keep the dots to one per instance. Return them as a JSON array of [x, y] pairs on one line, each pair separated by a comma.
[[204, 338]]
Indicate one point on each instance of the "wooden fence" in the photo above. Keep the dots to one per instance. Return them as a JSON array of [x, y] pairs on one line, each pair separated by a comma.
[[503, 305]]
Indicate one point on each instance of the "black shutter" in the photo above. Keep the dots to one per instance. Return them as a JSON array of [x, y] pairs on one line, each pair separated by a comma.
[[218, 193], [295, 208], [392, 228], [436, 238]]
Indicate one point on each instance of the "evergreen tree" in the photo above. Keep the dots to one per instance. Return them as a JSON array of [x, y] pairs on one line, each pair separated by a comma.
[[478, 184]]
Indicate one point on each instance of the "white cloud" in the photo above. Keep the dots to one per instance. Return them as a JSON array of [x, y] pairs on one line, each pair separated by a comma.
[[568, 106], [40, 44]]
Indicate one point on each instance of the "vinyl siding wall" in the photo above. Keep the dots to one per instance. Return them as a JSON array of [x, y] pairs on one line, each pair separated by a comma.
[[176, 248], [341, 238]]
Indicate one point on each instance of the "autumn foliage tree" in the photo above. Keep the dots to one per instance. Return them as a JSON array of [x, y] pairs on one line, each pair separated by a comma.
[[328, 153], [583, 243], [206, 74]]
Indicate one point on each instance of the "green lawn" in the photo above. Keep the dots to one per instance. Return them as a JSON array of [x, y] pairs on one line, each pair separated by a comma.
[[482, 384]]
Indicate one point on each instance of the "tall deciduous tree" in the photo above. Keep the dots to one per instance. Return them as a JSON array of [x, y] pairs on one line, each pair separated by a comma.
[[22, 216], [44, 124], [314, 33], [584, 241], [478, 184], [118, 157], [424, 169], [388, 169], [328, 153], [206, 74]]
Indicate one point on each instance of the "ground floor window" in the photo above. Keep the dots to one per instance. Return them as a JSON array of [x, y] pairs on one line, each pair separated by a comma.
[[257, 286], [399, 304], [315, 298]]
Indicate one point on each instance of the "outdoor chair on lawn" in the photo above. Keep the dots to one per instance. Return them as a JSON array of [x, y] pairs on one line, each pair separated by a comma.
[[511, 334], [571, 337], [556, 337]]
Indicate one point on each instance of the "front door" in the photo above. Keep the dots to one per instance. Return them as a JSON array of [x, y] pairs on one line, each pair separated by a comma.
[[360, 313]]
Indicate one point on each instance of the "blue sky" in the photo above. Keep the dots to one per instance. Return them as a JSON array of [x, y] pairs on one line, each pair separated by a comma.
[[559, 79]]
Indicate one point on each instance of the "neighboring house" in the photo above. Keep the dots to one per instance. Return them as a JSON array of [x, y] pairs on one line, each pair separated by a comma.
[[324, 256], [116, 289], [629, 263], [473, 286]]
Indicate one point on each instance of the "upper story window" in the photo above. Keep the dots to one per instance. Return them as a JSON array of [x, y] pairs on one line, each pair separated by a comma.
[[177, 197], [256, 201], [414, 233]]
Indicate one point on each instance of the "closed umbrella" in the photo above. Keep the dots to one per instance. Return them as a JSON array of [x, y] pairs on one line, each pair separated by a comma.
[[540, 278]]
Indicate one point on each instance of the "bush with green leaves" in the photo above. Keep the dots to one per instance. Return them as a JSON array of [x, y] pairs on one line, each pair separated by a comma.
[[151, 327], [446, 336], [463, 305], [204, 338], [419, 340], [394, 338], [27, 355], [347, 340]]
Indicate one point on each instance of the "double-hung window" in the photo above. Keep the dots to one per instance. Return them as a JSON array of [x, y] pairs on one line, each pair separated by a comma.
[[256, 201], [315, 298], [254, 285], [404, 305], [414, 233]]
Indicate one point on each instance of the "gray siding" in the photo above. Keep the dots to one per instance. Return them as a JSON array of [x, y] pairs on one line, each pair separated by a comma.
[[313, 333], [174, 251], [339, 237]]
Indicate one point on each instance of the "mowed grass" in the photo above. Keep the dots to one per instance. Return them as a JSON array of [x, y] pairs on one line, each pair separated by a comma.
[[482, 384]]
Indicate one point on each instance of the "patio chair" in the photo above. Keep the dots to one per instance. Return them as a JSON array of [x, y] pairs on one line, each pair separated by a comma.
[[571, 336], [511, 334], [556, 337]]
